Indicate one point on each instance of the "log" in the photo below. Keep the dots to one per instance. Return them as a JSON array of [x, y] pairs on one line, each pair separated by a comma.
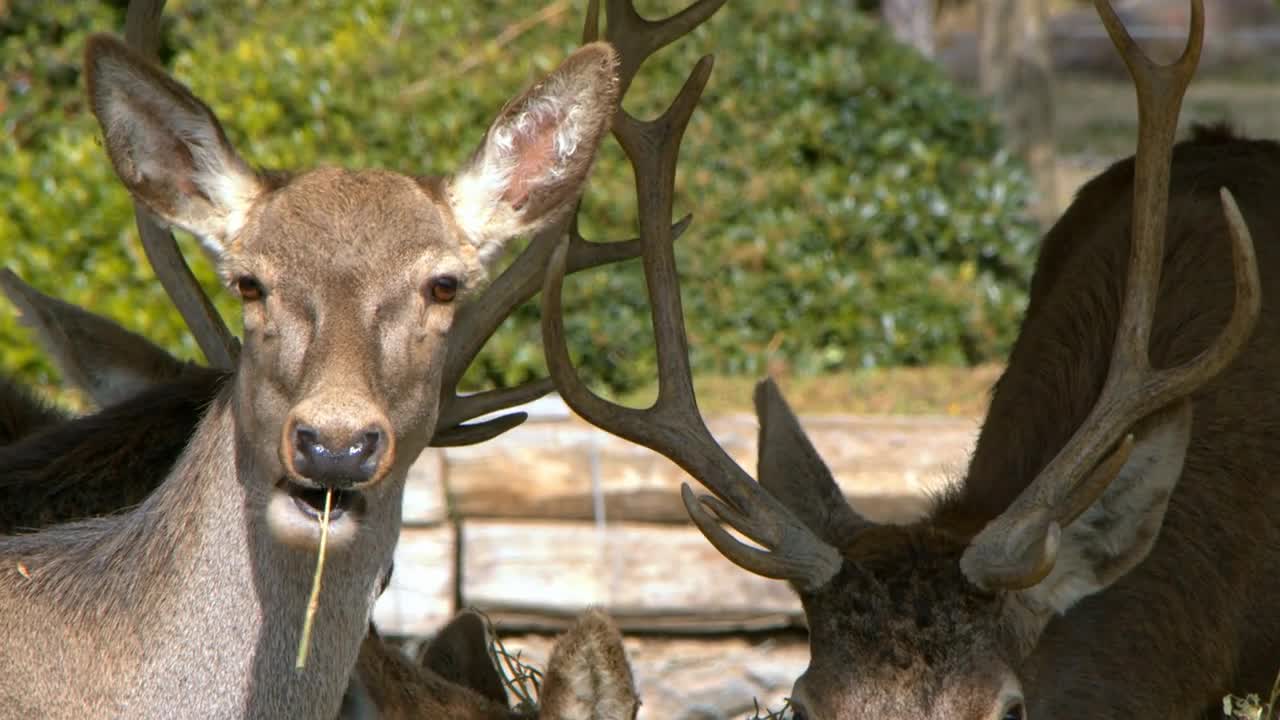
[[569, 470], [538, 575], [424, 490], [422, 592]]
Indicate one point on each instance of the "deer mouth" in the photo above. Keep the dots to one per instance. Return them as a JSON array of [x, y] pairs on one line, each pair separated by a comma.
[[309, 501]]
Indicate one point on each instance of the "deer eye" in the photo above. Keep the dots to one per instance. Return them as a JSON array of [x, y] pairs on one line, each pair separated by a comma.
[[249, 288], [443, 288]]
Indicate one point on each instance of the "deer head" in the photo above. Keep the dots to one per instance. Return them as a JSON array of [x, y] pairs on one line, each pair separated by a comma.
[[350, 280], [936, 619]]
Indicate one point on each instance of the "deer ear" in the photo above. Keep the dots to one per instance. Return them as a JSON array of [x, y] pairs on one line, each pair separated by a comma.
[[790, 468], [103, 359], [167, 146], [588, 676], [459, 653], [1116, 533], [533, 162]]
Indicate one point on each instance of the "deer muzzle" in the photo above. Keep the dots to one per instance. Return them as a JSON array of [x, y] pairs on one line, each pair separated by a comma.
[[334, 457]]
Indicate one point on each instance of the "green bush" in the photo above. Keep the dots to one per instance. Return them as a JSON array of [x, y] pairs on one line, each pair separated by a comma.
[[851, 207]]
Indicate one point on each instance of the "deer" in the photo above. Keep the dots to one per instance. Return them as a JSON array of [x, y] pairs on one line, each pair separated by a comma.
[[454, 675], [1112, 550], [351, 284]]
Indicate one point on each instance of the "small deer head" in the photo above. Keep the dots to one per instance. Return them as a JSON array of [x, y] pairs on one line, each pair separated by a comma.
[[350, 280]]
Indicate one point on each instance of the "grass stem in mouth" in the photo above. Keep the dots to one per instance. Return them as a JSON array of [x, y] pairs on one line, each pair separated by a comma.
[[313, 603]]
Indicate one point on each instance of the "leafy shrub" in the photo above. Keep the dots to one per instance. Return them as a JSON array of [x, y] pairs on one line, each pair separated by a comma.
[[851, 207]]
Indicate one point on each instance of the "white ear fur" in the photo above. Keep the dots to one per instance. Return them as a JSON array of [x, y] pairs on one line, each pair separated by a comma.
[[1118, 531], [534, 160], [167, 146]]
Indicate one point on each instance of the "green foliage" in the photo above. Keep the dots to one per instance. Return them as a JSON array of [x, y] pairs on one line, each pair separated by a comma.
[[851, 207]]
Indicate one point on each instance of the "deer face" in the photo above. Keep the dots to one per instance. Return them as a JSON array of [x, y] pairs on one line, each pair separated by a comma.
[[900, 633], [901, 621], [350, 280]]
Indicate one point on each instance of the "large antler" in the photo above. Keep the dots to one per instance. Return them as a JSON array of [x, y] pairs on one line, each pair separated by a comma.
[[220, 347], [673, 426], [1018, 548]]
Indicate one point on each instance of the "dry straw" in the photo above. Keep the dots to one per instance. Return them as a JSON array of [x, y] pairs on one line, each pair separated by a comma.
[[313, 603]]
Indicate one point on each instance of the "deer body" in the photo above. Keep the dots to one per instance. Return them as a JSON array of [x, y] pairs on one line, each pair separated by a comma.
[[1202, 605]]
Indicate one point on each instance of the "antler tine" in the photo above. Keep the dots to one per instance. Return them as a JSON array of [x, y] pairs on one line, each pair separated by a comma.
[[1160, 90], [478, 321], [1018, 548], [673, 426], [636, 38], [220, 347]]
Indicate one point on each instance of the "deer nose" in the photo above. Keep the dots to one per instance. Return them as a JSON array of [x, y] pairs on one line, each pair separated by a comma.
[[338, 464]]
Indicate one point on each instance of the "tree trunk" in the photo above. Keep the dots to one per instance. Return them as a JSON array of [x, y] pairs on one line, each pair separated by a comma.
[[911, 22], [1015, 67]]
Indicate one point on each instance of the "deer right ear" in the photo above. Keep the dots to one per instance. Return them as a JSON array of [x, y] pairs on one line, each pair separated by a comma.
[[791, 469], [459, 653], [1116, 533], [167, 146], [103, 359], [534, 161], [588, 676]]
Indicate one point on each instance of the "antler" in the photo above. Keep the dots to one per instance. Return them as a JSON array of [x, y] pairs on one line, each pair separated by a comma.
[[478, 320], [1018, 548], [220, 347], [673, 425]]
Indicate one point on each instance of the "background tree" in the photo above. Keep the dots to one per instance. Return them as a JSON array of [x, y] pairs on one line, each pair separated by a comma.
[[1015, 69]]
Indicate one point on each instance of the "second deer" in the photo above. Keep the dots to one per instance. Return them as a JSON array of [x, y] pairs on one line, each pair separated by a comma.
[[1113, 550]]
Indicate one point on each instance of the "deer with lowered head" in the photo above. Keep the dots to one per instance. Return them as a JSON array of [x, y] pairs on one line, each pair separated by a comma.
[[353, 286], [588, 676], [1113, 550]]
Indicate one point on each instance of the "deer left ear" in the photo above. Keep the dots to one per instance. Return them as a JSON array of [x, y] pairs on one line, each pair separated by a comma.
[[534, 160], [459, 653]]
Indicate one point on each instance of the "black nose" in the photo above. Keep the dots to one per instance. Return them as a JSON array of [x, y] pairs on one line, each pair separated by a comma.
[[337, 466]]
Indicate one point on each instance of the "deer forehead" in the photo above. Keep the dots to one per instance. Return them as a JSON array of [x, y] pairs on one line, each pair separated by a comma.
[[907, 609], [356, 222]]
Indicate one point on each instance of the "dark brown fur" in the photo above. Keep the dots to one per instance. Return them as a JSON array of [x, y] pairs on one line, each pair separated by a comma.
[[1204, 601], [102, 463], [22, 413]]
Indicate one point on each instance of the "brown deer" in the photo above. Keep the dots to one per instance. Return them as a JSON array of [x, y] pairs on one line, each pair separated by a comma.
[[455, 676], [351, 281], [1114, 549]]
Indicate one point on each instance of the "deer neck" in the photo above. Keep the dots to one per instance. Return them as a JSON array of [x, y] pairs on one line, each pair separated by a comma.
[[186, 606]]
